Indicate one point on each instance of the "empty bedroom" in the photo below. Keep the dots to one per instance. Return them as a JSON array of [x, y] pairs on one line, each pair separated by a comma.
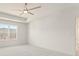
[[38, 29]]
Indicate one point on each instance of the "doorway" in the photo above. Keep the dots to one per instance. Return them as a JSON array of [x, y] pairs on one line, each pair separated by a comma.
[[77, 36]]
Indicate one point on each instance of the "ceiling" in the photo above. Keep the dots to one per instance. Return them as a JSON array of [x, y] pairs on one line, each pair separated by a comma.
[[46, 9], [12, 8]]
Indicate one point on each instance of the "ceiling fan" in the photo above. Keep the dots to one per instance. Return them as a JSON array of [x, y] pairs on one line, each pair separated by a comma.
[[25, 10]]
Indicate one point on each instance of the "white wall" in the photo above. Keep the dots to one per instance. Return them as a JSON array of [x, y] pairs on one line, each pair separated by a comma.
[[22, 34], [55, 30]]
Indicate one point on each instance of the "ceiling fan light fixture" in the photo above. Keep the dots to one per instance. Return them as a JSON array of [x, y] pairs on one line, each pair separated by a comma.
[[25, 11]]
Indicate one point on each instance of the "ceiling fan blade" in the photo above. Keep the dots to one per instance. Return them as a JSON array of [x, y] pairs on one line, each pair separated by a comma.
[[30, 13], [35, 8], [17, 10]]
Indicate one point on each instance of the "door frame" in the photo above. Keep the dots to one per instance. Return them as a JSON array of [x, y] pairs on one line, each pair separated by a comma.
[[76, 34]]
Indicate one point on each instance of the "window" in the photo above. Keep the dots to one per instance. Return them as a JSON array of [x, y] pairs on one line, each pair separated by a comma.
[[7, 32]]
